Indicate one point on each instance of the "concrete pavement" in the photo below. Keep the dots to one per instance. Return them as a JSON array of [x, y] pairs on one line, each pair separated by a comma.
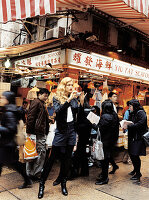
[[119, 187]]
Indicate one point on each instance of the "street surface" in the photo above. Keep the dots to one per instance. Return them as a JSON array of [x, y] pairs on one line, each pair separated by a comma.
[[119, 187]]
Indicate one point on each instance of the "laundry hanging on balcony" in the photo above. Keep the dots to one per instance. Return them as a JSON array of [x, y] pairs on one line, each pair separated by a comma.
[[11, 10]]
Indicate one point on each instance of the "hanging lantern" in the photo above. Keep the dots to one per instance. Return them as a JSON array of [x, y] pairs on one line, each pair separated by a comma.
[[91, 85], [119, 90], [54, 83], [100, 87], [115, 91], [49, 83]]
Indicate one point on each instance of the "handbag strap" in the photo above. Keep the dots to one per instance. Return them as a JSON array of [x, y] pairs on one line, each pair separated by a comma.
[[98, 135]]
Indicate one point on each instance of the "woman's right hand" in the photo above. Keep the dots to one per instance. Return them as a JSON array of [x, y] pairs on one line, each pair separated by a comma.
[[72, 96]]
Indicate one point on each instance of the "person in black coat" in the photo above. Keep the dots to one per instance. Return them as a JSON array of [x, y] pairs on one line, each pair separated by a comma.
[[66, 106], [8, 130], [84, 126], [109, 129], [136, 145]]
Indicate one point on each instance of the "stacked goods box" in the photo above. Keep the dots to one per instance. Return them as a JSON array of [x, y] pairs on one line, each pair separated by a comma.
[[120, 141], [4, 87], [146, 108]]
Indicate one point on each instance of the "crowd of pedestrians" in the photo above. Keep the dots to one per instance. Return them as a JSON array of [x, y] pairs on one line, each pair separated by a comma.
[[71, 136]]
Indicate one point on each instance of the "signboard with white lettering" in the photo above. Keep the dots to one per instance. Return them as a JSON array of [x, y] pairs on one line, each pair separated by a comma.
[[55, 58], [108, 65]]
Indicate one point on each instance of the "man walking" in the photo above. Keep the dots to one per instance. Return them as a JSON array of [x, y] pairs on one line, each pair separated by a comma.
[[113, 97], [38, 124]]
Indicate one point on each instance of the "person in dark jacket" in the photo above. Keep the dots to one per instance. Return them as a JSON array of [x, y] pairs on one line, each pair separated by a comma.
[[109, 128], [38, 124], [66, 107], [113, 97], [23, 110], [84, 126], [136, 145], [8, 130]]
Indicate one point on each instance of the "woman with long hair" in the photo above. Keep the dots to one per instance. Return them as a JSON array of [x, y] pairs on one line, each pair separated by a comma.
[[109, 128], [136, 145], [8, 130], [66, 107]]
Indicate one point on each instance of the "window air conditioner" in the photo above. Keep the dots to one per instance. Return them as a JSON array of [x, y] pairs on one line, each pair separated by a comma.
[[55, 32]]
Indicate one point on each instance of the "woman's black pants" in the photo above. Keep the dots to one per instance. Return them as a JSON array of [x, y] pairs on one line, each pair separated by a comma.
[[105, 168], [64, 154], [136, 163]]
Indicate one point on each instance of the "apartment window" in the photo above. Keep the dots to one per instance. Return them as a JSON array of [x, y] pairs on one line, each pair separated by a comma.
[[100, 29], [123, 40]]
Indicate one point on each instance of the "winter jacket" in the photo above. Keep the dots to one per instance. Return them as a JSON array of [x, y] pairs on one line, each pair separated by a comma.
[[139, 127], [61, 113], [109, 129], [8, 127], [136, 145], [37, 119]]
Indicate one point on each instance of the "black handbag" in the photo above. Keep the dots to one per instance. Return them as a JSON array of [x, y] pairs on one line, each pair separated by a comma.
[[146, 138]]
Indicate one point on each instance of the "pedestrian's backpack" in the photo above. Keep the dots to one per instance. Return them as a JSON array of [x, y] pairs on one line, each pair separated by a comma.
[[21, 133]]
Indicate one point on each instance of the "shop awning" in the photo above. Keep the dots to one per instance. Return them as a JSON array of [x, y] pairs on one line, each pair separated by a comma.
[[141, 6], [10, 10], [130, 12], [16, 50]]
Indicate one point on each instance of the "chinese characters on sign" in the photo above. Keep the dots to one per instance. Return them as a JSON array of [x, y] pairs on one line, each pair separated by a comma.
[[55, 58], [106, 64]]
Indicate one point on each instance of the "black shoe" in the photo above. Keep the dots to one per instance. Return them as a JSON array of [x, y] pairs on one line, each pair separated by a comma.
[[41, 190], [132, 173], [114, 169], [26, 184], [57, 181], [136, 177], [63, 187], [102, 181]]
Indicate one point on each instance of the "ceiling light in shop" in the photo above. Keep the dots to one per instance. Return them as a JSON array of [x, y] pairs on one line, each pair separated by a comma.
[[7, 63], [119, 50]]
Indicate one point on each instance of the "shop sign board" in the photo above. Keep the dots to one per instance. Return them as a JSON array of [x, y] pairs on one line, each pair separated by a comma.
[[108, 65], [55, 58]]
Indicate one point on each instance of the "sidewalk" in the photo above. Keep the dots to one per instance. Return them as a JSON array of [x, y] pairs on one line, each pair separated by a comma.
[[119, 187]]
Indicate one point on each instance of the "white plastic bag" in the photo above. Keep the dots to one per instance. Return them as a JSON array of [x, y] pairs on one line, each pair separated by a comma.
[[50, 135], [97, 151]]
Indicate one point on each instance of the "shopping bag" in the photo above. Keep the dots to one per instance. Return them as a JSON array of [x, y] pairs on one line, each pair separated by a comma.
[[50, 135], [30, 151], [97, 151], [126, 140], [146, 138]]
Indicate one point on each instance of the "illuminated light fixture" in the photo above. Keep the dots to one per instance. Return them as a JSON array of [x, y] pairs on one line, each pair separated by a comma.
[[119, 50], [28, 77], [7, 64]]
